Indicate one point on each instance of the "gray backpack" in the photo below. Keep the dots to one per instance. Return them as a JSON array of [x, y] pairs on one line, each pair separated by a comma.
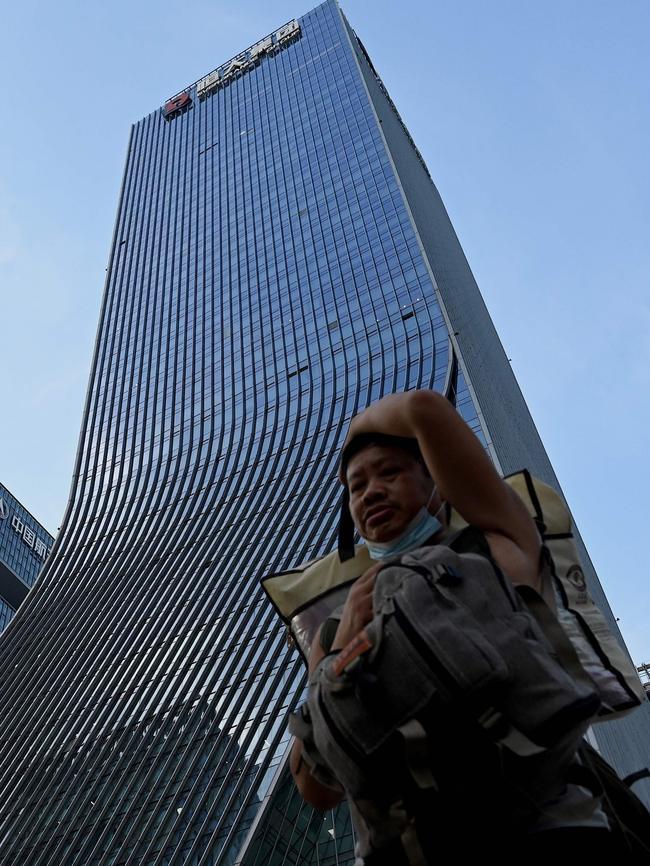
[[451, 694]]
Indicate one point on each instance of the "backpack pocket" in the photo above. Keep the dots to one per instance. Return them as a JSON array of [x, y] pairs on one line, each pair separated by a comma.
[[385, 687], [449, 639]]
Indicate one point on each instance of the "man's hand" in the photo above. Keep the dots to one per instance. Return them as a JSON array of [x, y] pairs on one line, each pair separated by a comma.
[[357, 611], [390, 415]]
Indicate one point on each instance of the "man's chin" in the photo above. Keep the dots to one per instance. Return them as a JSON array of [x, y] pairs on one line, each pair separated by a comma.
[[384, 533]]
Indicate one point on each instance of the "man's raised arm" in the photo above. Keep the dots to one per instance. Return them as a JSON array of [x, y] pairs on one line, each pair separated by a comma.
[[457, 461]]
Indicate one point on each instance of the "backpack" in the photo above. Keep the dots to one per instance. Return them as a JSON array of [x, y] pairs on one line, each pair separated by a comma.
[[306, 595], [450, 696]]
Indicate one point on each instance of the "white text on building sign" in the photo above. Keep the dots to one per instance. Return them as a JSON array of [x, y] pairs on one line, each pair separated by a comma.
[[30, 538], [247, 59]]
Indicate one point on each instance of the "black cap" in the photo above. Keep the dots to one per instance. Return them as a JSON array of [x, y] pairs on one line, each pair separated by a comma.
[[364, 440]]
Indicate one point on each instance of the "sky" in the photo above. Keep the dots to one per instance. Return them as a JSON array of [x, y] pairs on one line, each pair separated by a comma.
[[533, 120]]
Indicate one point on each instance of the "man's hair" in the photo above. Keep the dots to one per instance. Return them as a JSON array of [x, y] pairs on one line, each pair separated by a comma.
[[365, 440]]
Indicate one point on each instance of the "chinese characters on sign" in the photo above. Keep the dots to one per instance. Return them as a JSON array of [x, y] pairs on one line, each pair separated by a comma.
[[247, 59], [28, 536], [242, 62]]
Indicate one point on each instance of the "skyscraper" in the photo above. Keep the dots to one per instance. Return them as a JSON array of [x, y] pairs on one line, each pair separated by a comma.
[[281, 258]]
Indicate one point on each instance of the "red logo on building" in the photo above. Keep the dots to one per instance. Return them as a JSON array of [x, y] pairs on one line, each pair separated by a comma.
[[176, 105]]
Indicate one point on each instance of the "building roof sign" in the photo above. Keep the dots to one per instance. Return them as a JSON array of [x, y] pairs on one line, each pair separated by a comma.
[[176, 104], [225, 73], [247, 59]]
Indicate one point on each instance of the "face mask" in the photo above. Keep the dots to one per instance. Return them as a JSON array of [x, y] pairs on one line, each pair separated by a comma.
[[422, 527]]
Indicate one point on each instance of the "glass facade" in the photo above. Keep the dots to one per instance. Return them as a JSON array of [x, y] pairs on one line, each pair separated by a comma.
[[6, 613], [268, 278], [24, 547]]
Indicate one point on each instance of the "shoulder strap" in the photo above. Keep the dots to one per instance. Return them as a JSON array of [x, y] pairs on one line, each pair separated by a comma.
[[472, 540], [469, 540], [554, 633], [628, 816], [329, 629]]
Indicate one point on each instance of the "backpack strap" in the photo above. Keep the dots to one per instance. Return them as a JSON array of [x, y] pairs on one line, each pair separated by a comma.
[[328, 630], [503, 733], [554, 633], [631, 778], [628, 816], [346, 528], [416, 747], [469, 539]]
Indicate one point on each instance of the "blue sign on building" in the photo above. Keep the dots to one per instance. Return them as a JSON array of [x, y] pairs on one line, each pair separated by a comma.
[[24, 547]]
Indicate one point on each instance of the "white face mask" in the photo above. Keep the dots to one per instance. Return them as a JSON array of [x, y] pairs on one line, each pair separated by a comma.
[[420, 528]]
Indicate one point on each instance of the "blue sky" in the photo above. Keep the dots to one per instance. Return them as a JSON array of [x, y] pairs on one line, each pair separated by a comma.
[[534, 123]]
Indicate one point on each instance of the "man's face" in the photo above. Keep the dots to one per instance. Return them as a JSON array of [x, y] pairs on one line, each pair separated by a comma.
[[387, 488]]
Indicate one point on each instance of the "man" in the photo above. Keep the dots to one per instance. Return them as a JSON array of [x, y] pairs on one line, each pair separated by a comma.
[[403, 459]]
